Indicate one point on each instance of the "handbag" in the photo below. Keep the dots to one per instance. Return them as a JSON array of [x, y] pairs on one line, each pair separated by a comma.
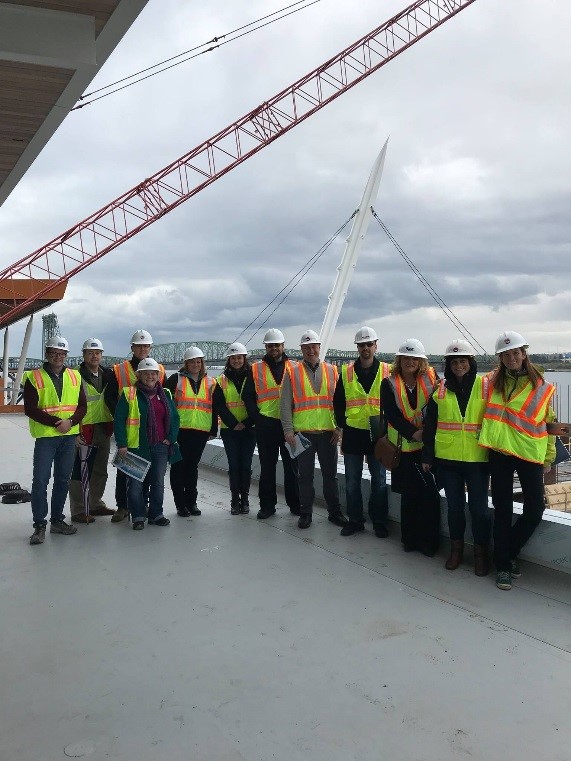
[[388, 453]]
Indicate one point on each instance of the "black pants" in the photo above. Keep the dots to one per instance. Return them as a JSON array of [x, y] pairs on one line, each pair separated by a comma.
[[239, 448], [271, 443], [508, 539], [184, 474], [419, 506]]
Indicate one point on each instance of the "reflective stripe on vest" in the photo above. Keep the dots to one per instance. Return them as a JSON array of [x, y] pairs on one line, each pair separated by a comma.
[[195, 410], [267, 390], [424, 386], [518, 426], [97, 411], [456, 437], [232, 398], [133, 422], [126, 376], [360, 405], [313, 411], [48, 401]]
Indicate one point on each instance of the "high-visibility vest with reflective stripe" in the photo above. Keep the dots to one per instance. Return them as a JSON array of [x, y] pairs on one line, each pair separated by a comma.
[[311, 411], [456, 436], [48, 400], [195, 410], [126, 376], [267, 390], [517, 426], [424, 387], [97, 411], [133, 422], [233, 398], [360, 405]]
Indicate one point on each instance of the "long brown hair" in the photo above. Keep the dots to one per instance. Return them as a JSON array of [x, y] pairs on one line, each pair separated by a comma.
[[397, 367], [246, 366], [501, 372]]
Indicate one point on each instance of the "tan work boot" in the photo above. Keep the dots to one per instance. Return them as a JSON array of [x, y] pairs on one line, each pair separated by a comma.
[[119, 515]]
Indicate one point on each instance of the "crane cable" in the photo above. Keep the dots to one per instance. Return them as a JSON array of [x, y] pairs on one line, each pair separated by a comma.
[[434, 295], [295, 280], [228, 37]]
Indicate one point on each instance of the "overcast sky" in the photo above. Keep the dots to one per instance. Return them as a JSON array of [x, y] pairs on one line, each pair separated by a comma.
[[475, 189]]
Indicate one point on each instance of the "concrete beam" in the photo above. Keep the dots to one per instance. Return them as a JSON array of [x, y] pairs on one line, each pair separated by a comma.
[[47, 38]]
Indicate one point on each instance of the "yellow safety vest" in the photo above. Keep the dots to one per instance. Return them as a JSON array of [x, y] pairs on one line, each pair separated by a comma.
[[126, 376], [233, 398], [311, 411], [195, 410], [48, 401], [360, 406], [97, 411], [267, 390], [424, 386], [518, 426], [456, 436], [133, 422]]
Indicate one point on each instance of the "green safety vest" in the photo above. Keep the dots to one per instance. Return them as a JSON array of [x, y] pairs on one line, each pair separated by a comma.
[[267, 390], [424, 386], [456, 436], [195, 410], [233, 398], [311, 411], [360, 406], [97, 411], [48, 400], [133, 422]]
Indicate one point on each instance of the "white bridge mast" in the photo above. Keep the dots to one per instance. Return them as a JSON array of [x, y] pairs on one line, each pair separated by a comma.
[[352, 248]]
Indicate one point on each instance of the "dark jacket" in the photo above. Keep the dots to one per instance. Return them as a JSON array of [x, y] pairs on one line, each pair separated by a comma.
[[44, 418], [243, 381], [355, 440], [120, 424]]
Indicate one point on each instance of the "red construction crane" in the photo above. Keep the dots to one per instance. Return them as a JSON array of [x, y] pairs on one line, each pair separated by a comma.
[[27, 284]]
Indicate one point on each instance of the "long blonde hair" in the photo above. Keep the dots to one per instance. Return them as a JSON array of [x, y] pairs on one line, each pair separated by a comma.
[[202, 372], [397, 367]]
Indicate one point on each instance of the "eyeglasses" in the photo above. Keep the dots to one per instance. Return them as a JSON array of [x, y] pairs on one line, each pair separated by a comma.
[[57, 354], [273, 346], [368, 344]]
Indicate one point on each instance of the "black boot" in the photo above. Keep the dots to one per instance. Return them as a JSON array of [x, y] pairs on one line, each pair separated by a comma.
[[244, 503], [235, 503]]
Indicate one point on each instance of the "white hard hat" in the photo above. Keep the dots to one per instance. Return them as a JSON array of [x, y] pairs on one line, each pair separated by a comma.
[[57, 342], [142, 337], [92, 343], [193, 352], [235, 349], [365, 334], [274, 336], [509, 339], [412, 347], [459, 348], [309, 337], [148, 364]]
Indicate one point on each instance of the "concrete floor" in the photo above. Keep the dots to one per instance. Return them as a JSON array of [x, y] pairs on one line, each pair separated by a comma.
[[224, 638]]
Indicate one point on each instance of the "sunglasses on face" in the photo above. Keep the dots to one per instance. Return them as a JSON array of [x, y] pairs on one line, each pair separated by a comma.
[[368, 344]]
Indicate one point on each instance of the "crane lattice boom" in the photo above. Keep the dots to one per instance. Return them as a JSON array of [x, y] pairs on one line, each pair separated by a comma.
[[136, 209]]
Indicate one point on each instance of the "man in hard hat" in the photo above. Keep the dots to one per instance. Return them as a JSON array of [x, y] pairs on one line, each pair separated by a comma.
[[357, 399], [96, 429], [306, 407], [124, 375], [268, 375], [55, 404]]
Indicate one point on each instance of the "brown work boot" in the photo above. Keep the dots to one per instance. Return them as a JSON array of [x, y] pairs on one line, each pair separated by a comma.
[[482, 562], [119, 515], [456, 554], [102, 510], [82, 518]]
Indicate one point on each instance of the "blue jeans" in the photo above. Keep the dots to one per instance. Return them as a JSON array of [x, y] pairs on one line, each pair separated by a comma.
[[379, 499], [475, 476], [156, 478], [59, 450]]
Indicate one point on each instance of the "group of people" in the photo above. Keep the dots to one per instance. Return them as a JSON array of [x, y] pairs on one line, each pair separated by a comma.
[[454, 433]]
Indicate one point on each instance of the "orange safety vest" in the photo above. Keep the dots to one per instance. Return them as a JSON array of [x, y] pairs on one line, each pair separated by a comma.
[[267, 390], [126, 376], [424, 387], [313, 411]]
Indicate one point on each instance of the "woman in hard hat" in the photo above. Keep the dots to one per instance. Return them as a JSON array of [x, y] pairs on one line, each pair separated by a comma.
[[514, 430], [146, 423], [404, 394], [233, 395], [452, 425], [192, 389]]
